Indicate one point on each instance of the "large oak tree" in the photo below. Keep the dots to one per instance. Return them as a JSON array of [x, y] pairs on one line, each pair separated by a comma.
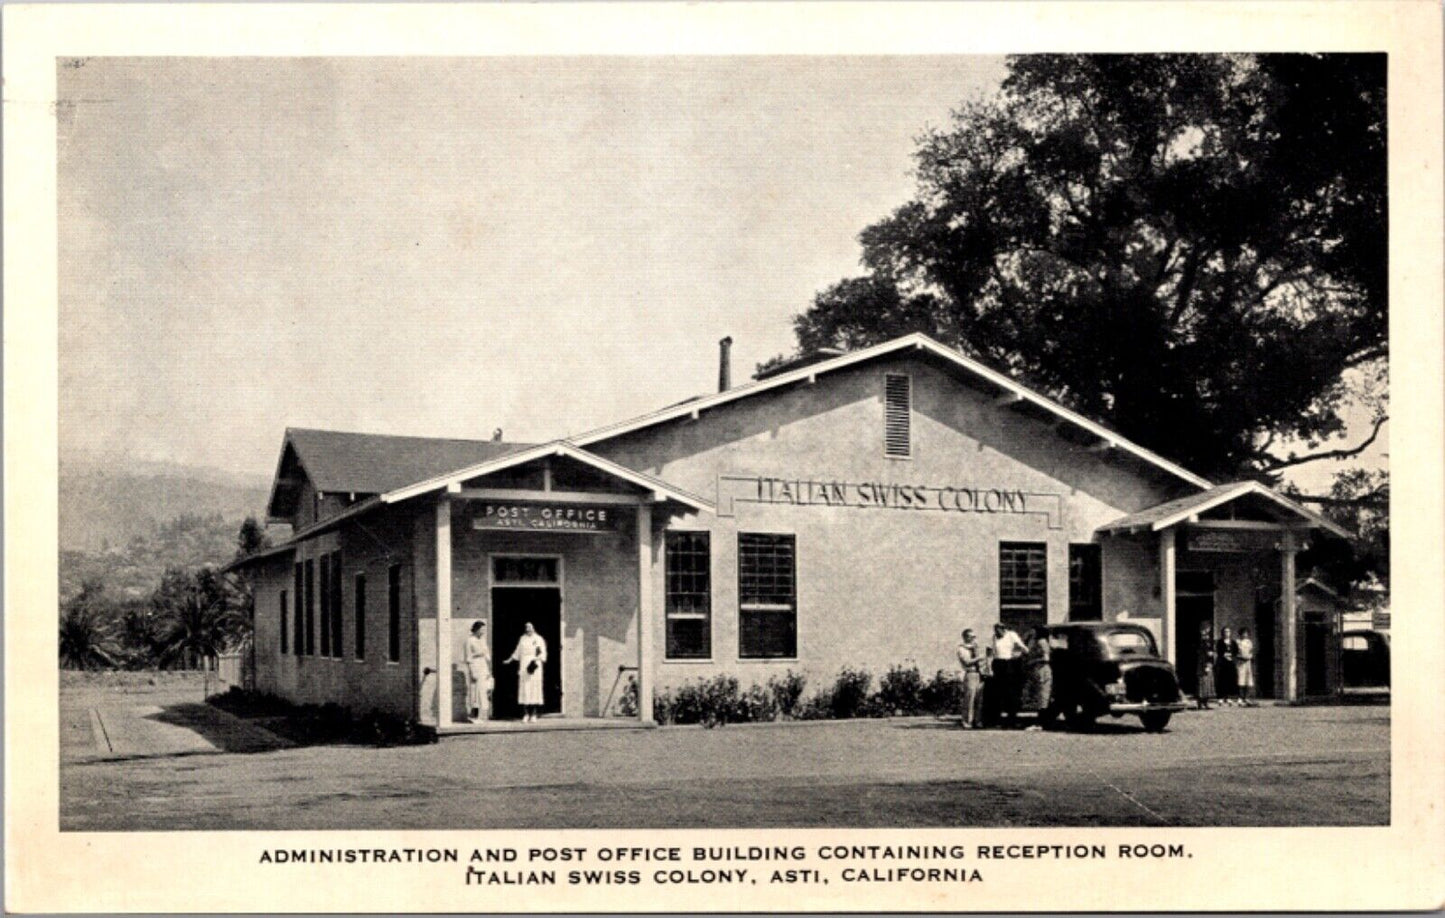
[[1191, 248]]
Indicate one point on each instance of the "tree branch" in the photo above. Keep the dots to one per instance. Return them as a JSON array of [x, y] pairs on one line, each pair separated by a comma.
[[1344, 453]]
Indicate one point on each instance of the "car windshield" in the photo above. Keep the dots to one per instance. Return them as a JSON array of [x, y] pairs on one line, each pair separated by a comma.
[[1127, 643]]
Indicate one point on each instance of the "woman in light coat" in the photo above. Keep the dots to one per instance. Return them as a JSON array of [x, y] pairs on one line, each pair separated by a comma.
[[530, 657]]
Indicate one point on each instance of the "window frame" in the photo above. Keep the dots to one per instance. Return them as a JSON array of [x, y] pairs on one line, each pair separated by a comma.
[[298, 614], [1009, 612], [668, 614], [744, 608]]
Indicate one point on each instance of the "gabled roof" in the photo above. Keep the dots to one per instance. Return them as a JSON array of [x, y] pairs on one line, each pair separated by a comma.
[[1174, 512], [454, 479], [361, 463], [915, 342]]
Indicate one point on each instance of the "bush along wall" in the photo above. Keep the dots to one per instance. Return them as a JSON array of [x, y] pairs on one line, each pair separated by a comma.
[[721, 700]]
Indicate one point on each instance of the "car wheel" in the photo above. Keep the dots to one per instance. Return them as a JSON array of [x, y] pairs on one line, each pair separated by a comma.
[[1078, 718], [1155, 721]]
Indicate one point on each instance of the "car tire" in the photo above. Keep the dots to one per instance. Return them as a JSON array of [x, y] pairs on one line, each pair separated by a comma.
[[1078, 718], [1155, 721]]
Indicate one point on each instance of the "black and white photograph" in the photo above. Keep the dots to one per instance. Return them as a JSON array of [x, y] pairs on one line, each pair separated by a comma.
[[832, 441]]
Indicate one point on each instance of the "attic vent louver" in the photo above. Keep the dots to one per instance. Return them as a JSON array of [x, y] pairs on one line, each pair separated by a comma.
[[897, 415]]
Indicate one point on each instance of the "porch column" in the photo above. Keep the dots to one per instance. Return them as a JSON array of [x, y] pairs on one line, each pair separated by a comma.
[[1288, 663], [444, 612], [644, 613], [1166, 592]]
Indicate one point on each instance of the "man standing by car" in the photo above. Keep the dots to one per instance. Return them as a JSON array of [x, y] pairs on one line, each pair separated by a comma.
[[971, 657], [1005, 658]]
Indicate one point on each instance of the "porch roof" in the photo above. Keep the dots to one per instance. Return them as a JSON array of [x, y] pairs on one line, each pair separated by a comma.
[[452, 481], [1173, 512]]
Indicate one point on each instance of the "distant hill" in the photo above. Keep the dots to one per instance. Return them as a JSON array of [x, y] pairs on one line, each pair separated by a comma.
[[125, 523], [103, 506]]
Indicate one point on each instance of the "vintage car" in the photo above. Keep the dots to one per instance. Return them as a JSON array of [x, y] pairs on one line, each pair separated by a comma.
[[1110, 668], [1365, 659]]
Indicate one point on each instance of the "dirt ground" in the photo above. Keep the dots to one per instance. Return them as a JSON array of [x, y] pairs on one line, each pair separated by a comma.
[[153, 757]]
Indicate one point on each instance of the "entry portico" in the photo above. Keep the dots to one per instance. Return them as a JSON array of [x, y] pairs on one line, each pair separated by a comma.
[[1216, 530], [552, 489]]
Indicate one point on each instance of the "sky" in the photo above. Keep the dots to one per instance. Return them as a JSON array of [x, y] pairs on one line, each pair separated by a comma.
[[443, 247], [446, 246]]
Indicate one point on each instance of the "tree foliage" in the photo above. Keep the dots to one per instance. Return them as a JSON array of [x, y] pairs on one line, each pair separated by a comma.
[[87, 633], [200, 614], [1190, 247]]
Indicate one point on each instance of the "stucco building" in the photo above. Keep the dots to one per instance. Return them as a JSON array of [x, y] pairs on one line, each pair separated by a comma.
[[852, 509]]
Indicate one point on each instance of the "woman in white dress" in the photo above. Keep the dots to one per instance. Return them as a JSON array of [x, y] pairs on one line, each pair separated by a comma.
[[479, 674], [530, 657]]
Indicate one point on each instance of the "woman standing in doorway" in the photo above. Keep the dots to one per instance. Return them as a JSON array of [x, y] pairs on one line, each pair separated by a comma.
[[530, 656], [1205, 669]]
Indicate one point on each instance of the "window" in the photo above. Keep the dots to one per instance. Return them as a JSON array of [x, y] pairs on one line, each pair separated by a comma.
[[337, 605], [767, 596], [1086, 586], [359, 607], [325, 598], [281, 608], [688, 563], [524, 570], [897, 415], [393, 613], [298, 623], [1022, 584], [310, 607]]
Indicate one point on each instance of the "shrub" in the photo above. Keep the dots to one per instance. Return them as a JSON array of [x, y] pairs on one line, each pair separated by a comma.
[[849, 695], [943, 694], [757, 704], [900, 691], [712, 702], [787, 690], [627, 702]]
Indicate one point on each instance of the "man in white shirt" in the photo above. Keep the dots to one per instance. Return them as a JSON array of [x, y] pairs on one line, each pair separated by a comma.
[[1005, 656]]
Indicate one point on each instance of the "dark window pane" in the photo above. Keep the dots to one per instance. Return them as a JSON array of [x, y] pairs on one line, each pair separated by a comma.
[[283, 622], [767, 595], [324, 588], [310, 607], [1086, 588], [393, 613], [337, 605], [298, 623], [360, 607], [524, 570]]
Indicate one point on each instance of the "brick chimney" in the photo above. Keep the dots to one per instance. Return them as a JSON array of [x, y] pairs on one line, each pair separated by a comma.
[[724, 364]]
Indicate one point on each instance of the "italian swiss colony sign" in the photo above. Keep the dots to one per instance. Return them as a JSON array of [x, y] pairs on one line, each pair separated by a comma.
[[807, 492]]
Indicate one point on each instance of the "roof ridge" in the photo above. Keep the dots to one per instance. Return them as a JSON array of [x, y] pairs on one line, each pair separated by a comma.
[[395, 436]]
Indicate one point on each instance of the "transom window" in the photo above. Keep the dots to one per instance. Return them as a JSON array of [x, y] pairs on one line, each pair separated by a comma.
[[688, 564], [1023, 587], [767, 596], [511, 569]]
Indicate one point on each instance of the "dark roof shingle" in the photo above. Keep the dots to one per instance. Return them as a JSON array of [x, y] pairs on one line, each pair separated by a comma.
[[376, 463]]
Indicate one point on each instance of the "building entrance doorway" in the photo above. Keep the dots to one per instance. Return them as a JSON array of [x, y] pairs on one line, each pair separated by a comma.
[[1193, 609], [512, 608], [1317, 656]]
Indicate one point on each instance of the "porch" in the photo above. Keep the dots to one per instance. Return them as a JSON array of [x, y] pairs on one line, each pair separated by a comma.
[[1250, 535], [554, 537]]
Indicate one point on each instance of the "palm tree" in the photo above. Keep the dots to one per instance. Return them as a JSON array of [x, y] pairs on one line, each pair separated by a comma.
[[87, 638], [199, 616]]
